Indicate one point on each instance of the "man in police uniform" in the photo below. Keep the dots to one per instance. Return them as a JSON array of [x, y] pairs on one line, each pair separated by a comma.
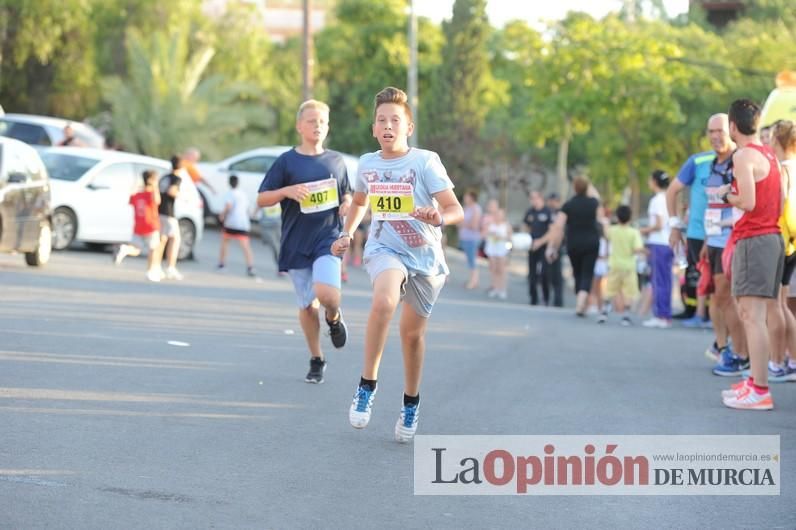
[[538, 219]]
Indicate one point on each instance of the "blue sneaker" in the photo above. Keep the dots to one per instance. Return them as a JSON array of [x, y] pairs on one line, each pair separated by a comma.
[[693, 322], [790, 373], [406, 426], [359, 413], [729, 364], [779, 375]]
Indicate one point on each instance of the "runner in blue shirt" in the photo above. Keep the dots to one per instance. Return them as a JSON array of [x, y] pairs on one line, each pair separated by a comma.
[[311, 185]]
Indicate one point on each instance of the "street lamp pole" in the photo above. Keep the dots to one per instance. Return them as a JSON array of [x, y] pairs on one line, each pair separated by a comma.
[[412, 74], [307, 52]]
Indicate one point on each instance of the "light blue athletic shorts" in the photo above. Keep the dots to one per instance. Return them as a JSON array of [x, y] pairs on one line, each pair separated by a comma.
[[420, 292], [325, 269]]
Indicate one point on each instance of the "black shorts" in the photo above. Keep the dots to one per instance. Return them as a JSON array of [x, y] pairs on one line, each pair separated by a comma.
[[787, 270], [714, 258], [694, 247], [235, 233]]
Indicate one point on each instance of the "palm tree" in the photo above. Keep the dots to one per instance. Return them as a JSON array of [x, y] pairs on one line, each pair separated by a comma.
[[166, 102]]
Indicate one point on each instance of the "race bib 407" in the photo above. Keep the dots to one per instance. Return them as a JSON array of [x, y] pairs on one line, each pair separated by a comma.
[[323, 196]]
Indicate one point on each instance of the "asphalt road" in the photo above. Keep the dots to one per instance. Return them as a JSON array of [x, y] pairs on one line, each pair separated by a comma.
[[128, 404]]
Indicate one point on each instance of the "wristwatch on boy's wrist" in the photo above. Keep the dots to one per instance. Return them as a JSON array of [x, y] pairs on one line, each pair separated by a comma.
[[674, 222], [344, 234]]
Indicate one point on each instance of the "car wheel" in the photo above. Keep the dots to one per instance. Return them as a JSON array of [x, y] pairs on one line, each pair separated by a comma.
[[187, 239], [64, 228], [41, 255]]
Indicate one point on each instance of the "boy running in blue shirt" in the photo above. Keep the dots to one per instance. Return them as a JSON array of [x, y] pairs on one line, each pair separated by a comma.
[[311, 185]]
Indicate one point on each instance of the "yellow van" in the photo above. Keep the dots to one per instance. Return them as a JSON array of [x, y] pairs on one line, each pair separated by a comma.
[[781, 103]]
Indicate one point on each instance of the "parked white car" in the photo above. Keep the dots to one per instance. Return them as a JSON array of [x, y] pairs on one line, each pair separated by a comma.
[[91, 191], [250, 167], [46, 130]]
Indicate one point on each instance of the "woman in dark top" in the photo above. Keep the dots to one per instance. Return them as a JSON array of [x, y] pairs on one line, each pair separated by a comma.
[[578, 218]]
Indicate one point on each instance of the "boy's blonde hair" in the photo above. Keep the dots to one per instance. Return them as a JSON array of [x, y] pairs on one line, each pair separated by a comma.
[[393, 95], [312, 104]]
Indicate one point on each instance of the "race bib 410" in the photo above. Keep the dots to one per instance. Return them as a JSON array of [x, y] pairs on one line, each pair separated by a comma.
[[391, 201], [323, 196]]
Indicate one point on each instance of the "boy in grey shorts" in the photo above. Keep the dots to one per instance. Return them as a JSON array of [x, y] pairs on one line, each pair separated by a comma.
[[411, 198]]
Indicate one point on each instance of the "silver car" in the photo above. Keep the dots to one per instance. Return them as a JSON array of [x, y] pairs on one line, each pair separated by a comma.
[[46, 130], [24, 203]]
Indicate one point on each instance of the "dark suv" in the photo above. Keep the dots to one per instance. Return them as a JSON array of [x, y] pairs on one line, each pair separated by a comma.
[[24, 202]]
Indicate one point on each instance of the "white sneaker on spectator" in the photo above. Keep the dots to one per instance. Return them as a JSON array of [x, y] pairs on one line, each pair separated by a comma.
[[173, 274], [120, 254], [656, 322]]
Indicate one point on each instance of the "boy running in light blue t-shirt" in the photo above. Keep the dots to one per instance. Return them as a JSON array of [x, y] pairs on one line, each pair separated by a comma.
[[411, 198]]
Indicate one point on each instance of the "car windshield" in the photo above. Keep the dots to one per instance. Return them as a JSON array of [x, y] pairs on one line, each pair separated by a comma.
[[63, 166]]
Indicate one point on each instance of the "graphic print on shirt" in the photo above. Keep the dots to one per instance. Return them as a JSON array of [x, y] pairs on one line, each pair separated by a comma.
[[391, 201]]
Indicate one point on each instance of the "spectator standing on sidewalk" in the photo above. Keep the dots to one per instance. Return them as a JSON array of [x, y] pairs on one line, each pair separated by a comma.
[[660, 254], [537, 221], [498, 247], [470, 235], [577, 221]]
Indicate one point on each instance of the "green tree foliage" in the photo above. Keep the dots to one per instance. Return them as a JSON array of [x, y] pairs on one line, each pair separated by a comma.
[[249, 57], [166, 103], [564, 84], [770, 10], [513, 154], [758, 50], [112, 18], [464, 91], [630, 133], [362, 51], [45, 65]]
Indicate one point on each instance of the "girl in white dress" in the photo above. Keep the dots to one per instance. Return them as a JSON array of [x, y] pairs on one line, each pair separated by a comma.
[[498, 245]]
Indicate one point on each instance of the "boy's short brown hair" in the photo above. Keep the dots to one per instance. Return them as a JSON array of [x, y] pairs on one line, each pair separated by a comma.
[[148, 174], [393, 95]]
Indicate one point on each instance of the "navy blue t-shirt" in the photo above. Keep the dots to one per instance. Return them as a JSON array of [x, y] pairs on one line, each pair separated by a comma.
[[306, 236]]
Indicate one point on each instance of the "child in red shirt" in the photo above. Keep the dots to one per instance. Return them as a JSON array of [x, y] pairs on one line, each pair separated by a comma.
[[147, 227]]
